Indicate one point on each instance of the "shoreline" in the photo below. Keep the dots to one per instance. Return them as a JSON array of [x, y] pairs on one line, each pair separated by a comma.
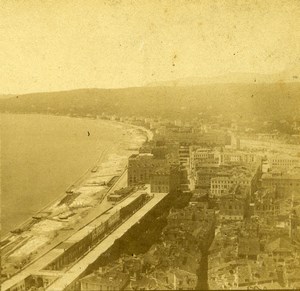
[[86, 174], [49, 204]]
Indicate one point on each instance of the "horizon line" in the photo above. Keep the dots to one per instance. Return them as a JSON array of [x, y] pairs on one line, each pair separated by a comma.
[[152, 86]]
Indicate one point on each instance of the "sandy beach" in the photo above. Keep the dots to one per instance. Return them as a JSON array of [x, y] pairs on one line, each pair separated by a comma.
[[62, 213]]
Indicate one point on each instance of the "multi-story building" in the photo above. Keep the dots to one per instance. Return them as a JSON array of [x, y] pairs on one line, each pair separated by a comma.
[[230, 156], [248, 248], [285, 184], [177, 279], [204, 175], [189, 213], [184, 154], [232, 208], [140, 168], [188, 134], [214, 138], [234, 205], [245, 176], [165, 180], [184, 157], [191, 226], [284, 162], [173, 133], [202, 156], [279, 247], [265, 203], [220, 185], [109, 280], [235, 142]]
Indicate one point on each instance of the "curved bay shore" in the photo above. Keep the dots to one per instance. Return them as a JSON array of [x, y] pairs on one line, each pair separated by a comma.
[[129, 136]]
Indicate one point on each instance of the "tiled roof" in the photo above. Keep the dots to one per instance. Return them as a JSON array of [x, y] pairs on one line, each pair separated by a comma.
[[279, 245], [248, 246]]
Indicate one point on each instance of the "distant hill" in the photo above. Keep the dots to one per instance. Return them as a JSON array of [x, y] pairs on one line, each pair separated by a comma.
[[269, 100], [5, 96], [238, 78]]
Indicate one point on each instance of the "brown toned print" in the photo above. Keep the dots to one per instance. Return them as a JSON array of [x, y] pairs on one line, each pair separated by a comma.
[[150, 145]]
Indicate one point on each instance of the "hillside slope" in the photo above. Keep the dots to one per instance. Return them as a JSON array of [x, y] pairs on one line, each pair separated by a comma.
[[270, 100]]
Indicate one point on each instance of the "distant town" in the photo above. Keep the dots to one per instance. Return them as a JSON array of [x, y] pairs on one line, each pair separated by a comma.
[[206, 203]]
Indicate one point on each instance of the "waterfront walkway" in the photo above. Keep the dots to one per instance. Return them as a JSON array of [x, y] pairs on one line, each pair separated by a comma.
[[66, 281], [50, 253], [68, 277]]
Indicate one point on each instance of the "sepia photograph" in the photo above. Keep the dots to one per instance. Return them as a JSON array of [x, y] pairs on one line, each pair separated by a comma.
[[150, 145]]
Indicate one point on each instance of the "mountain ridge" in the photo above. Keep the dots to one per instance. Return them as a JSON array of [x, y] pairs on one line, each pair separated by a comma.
[[231, 78], [271, 100]]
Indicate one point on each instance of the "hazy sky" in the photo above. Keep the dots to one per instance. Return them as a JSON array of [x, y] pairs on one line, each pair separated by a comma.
[[57, 45]]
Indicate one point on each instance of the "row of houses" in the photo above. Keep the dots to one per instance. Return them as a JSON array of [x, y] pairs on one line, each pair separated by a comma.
[[162, 175]]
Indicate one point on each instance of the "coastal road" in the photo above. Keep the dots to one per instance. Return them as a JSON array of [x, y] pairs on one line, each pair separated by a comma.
[[78, 269], [77, 183], [271, 146], [121, 182], [45, 256], [42, 256]]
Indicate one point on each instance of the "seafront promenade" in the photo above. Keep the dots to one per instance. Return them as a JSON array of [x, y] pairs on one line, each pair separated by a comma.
[[84, 208], [65, 282], [77, 183], [45, 254], [25, 252], [64, 278]]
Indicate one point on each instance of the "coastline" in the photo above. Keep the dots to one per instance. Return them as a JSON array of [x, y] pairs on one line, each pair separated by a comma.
[[146, 133]]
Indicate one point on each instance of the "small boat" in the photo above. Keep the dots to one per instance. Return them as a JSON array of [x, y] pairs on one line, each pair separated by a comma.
[[132, 149], [70, 190], [66, 215], [17, 231]]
